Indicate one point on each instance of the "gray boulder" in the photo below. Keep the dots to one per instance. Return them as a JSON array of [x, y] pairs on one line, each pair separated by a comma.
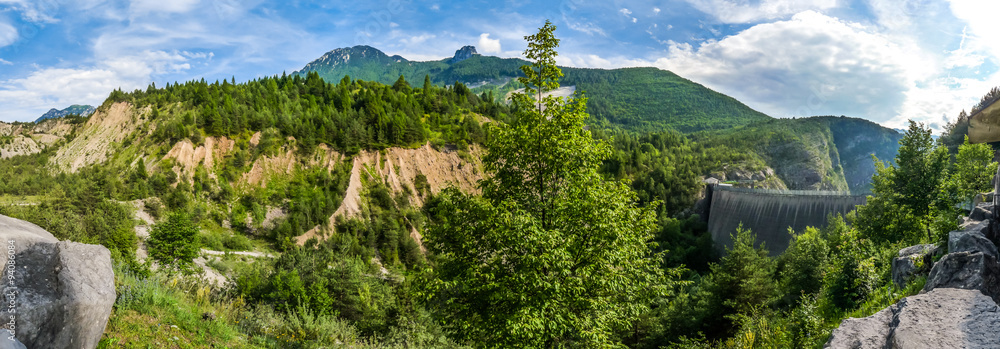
[[7, 343], [971, 239], [62, 292], [911, 262], [942, 318], [968, 271], [865, 333]]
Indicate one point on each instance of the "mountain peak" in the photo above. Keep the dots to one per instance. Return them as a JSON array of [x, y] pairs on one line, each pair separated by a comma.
[[82, 110], [343, 55], [464, 53]]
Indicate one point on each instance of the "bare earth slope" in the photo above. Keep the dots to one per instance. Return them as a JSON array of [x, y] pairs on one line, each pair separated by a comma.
[[399, 167], [97, 139]]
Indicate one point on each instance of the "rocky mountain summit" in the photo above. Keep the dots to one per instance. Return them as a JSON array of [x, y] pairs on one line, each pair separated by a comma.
[[57, 294], [464, 53], [957, 307], [82, 110]]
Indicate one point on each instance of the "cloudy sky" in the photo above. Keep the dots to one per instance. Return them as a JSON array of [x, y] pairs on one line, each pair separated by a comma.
[[887, 61]]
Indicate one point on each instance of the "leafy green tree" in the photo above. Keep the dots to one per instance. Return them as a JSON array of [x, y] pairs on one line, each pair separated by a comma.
[[974, 169], [899, 208], [802, 265], [551, 255], [174, 241]]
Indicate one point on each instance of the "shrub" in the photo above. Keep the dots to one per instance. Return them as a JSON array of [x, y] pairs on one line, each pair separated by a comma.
[[174, 241]]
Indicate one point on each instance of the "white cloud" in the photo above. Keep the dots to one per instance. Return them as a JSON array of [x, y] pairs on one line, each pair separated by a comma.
[[8, 34], [634, 19], [595, 61], [625, 12], [436, 7], [487, 45], [417, 39], [34, 11], [162, 6], [809, 65], [741, 11], [6, 62], [982, 26], [656, 10], [586, 28], [28, 97]]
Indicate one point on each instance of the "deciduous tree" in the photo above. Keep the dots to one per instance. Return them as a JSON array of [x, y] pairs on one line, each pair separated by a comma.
[[551, 255]]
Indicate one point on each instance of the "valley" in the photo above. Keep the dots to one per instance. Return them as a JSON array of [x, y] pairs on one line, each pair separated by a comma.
[[347, 204]]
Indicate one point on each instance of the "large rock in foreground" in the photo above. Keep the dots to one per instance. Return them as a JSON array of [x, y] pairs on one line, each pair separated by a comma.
[[941, 318], [61, 292]]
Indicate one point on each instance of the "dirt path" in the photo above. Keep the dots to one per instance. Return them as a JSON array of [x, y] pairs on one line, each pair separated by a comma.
[[239, 253]]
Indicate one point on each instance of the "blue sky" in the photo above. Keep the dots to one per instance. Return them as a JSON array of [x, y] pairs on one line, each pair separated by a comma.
[[887, 61]]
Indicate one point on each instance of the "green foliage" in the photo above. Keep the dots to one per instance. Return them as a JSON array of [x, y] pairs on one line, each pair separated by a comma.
[[551, 255], [856, 265], [743, 279], [174, 241], [900, 208], [974, 170], [802, 266], [637, 99], [956, 132]]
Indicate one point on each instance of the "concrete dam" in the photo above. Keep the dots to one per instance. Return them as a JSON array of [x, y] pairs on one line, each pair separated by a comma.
[[769, 213]]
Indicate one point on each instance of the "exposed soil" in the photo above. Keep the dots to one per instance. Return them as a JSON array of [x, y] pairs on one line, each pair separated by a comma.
[[266, 166], [399, 167], [96, 138]]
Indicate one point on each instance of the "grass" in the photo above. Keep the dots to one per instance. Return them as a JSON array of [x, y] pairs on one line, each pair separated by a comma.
[[156, 312], [169, 311], [9, 200]]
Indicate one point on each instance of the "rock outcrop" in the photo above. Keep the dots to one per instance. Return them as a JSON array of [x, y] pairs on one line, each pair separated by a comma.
[[464, 53], [911, 262], [58, 294], [957, 307], [942, 318]]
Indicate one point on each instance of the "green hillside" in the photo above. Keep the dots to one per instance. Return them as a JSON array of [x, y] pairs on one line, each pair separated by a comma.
[[644, 99], [821, 152]]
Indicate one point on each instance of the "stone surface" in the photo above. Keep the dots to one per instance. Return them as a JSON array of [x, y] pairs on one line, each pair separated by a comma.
[[971, 240], [942, 318], [865, 333], [982, 212], [946, 318], [966, 270], [63, 292], [6, 343], [464, 53], [911, 262]]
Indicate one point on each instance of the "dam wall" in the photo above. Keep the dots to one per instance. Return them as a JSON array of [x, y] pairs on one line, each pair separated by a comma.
[[769, 213]]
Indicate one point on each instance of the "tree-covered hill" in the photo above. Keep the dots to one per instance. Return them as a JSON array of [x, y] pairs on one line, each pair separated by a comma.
[[645, 99], [821, 152]]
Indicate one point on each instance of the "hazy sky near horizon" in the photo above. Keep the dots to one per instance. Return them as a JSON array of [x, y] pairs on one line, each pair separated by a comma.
[[887, 61]]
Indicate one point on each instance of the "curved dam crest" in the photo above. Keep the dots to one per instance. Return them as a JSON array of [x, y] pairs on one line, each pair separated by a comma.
[[769, 213]]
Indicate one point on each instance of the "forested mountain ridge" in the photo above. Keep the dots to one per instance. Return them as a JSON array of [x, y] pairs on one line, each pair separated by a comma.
[[77, 109], [816, 153], [338, 181], [646, 99]]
